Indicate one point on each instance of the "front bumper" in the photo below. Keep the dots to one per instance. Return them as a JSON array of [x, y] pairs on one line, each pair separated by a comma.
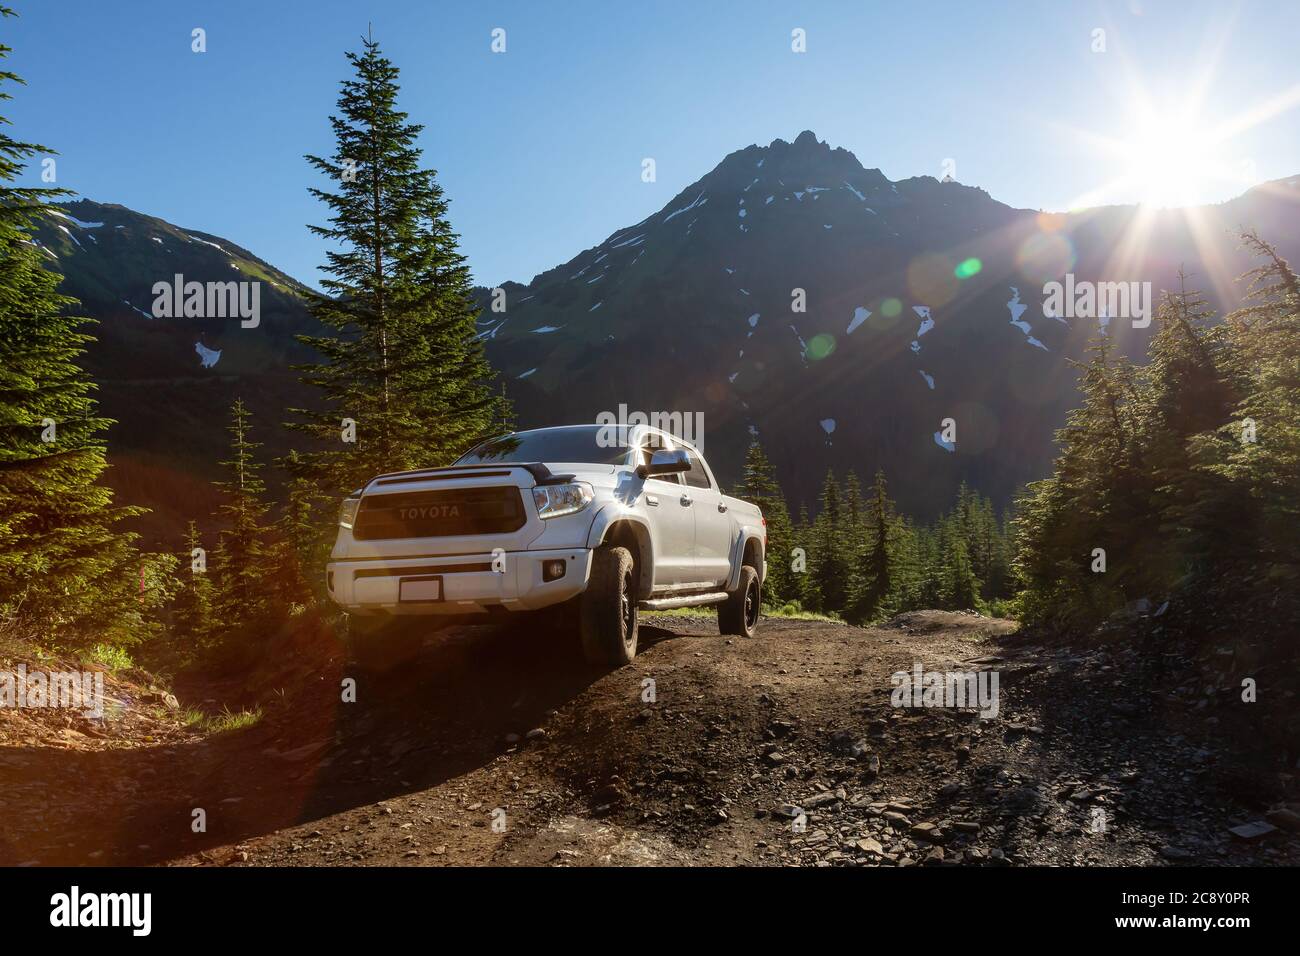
[[470, 584]]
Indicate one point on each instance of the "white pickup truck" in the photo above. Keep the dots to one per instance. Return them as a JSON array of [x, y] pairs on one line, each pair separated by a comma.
[[599, 519]]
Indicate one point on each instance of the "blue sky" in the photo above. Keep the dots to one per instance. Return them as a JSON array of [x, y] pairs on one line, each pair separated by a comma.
[[540, 148]]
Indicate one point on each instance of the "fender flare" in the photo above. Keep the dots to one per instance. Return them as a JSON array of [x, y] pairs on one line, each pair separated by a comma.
[[613, 514], [738, 553]]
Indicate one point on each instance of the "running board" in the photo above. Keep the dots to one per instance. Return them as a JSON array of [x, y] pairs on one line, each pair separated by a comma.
[[686, 600]]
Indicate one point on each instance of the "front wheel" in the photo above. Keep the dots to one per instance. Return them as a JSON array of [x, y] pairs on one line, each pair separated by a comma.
[[607, 618], [739, 613]]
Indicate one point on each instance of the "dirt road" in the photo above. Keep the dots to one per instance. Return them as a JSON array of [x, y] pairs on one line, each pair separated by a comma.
[[496, 746]]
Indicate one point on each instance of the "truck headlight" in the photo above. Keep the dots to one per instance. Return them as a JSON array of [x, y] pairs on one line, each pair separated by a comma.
[[348, 512], [555, 500]]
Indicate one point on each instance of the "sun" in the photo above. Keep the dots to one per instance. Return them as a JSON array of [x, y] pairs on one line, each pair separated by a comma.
[[1169, 153], [1174, 161]]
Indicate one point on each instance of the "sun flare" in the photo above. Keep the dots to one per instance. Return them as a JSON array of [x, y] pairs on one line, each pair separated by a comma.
[[1175, 162]]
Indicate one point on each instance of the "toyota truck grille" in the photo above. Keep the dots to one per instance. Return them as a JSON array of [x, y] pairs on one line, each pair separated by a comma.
[[439, 514]]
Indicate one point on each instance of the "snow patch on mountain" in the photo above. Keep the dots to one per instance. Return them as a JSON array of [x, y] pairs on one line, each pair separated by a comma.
[[206, 243], [699, 200], [147, 315], [1017, 309], [207, 357], [68, 233], [77, 222]]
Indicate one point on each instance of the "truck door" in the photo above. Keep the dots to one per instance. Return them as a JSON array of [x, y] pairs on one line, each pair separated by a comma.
[[672, 522], [713, 523]]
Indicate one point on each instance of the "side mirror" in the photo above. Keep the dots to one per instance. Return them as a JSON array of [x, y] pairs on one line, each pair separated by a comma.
[[664, 462]]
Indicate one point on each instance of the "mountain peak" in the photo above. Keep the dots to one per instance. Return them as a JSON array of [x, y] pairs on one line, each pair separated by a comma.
[[805, 160]]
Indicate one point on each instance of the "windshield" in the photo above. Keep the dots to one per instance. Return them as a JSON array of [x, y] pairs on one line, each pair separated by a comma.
[[587, 444]]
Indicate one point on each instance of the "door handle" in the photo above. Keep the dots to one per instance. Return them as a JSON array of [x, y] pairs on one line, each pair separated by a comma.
[[686, 501], [652, 501], [722, 507]]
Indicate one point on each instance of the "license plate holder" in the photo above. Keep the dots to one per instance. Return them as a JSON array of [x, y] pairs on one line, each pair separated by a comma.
[[421, 589]]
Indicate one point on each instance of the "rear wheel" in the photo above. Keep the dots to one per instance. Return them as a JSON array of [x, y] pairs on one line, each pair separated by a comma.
[[607, 612], [739, 613]]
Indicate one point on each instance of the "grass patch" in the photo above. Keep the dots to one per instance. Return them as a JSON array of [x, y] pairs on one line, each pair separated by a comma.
[[223, 722], [794, 612], [791, 611], [703, 610], [114, 658]]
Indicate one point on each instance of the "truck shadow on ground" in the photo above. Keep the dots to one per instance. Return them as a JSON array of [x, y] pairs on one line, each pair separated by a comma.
[[444, 707]]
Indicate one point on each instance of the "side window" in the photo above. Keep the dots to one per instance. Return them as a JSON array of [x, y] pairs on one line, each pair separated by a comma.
[[650, 445], [697, 477]]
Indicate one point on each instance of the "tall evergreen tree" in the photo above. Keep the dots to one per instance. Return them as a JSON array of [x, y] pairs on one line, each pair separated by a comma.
[[1098, 498], [65, 566], [1184, 390], [303, 550], [246, 558], [192, 603], [759, 485], [1243, 522], [803, 543], [958, 585], [403, 361], [828, 566], [875, 557]]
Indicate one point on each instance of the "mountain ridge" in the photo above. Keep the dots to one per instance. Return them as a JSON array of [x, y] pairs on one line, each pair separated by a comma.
[[854, 241], [689, 309]]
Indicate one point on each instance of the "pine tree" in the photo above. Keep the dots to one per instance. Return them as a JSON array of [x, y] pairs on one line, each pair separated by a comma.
[[192, 604], [828, 564], [1243, 522], [246, 558], [959, 588], [1185, 390], [852, 530], [404, 361], [303, 551], [907, 576], [65, 567], [876, 557], [759, 485], [1098, 498], [803, 545]]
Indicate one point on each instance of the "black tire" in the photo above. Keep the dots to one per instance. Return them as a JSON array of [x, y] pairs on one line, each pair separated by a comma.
[[739, 613], [607, 611]]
